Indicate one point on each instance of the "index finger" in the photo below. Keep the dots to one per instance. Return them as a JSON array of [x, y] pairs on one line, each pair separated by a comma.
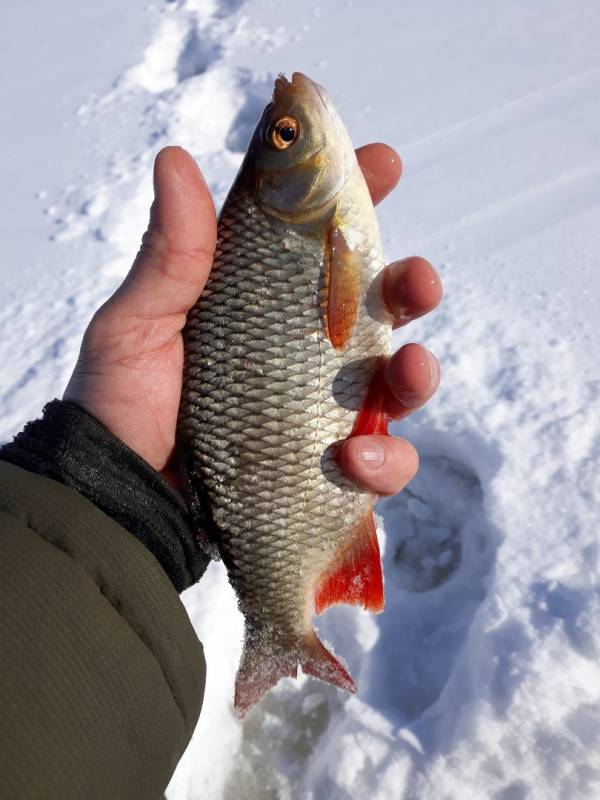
[[382, 167]]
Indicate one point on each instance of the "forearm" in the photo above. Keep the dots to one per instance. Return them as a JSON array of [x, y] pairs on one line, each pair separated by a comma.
[[102, 676]]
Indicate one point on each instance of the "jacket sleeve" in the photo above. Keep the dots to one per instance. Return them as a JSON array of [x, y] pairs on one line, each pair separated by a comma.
[[102, 675]]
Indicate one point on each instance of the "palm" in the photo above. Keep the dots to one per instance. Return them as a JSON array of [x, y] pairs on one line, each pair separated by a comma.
[[129, 371], [135, 396]]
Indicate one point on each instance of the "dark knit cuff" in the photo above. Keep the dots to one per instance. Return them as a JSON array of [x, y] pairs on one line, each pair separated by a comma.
[[72, 447]]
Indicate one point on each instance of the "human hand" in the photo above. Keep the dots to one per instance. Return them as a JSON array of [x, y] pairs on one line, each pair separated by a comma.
[[129, 371]]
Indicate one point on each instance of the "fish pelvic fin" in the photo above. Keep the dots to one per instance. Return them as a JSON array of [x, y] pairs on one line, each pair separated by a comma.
[[354, 576], [264, 665], [372, 416]]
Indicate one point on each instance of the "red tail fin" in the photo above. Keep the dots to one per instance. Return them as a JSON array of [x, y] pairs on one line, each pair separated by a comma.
[[320, 663], [262, 667]]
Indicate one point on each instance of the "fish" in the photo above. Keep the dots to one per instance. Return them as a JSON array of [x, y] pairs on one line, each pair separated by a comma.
[[284, 355]]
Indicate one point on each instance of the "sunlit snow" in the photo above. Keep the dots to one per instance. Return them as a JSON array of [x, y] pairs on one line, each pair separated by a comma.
[[482, 677]]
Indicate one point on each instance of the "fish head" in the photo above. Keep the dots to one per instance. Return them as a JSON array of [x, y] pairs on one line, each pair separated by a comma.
[[301, 154]]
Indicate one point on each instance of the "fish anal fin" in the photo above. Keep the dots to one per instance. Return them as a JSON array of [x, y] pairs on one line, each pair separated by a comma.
[[342, 289], [372, 416], [354, 576]]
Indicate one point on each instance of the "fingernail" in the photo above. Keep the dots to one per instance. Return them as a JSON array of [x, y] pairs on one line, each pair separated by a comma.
[[372, 456], [434, 371], [427, 364], [410, 399], [393, 291]]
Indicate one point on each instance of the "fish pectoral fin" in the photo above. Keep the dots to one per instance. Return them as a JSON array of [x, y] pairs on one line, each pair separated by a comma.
[[354, 576], [342, 287]]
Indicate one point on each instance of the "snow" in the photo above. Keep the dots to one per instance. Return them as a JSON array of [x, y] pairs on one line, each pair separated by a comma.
[[481, 679]]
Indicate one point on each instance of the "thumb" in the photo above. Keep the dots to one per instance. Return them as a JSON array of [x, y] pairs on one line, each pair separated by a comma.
[[177, 250]]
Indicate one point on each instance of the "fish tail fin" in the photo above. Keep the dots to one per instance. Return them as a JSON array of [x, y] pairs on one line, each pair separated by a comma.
[[320, 663], [263, 666]]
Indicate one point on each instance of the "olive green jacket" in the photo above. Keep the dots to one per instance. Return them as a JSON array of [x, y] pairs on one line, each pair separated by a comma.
[[102, 676]]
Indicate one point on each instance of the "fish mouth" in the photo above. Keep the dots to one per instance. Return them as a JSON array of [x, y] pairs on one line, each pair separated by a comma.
[[300, 86]]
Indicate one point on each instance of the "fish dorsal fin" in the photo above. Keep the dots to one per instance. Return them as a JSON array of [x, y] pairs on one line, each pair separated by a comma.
[[354, 576], [342, 287]]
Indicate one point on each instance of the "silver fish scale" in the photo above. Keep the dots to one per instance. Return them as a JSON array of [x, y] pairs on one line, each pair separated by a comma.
[[265, 395]]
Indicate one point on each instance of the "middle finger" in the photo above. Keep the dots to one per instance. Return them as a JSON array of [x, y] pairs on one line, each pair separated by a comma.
[[411, 288], [412, 376]]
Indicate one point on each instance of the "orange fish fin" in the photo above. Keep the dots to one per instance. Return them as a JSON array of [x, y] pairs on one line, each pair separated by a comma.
[[372, 417], [342, 289], [354, 576], [260, 669], [320, 663]]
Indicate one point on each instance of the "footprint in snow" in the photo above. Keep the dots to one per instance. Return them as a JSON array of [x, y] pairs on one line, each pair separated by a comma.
[[439, 550], [198, 53]]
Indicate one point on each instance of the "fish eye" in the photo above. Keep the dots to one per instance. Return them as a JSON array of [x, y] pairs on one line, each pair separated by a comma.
[[283, 132]]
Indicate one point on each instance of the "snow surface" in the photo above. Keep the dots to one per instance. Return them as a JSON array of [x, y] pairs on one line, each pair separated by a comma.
[[481, 679]]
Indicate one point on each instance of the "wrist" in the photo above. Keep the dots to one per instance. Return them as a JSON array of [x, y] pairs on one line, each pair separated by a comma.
[[73, 447]]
